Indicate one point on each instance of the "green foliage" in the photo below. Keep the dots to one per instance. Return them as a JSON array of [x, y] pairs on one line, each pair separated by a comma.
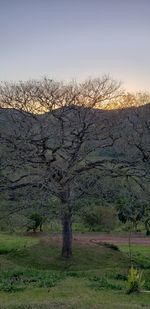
[[130, 210], [134, 283], [35, 222], [99, 218]]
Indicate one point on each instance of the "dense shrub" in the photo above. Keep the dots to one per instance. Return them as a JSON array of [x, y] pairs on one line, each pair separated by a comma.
[[35, 222], [100, 218]]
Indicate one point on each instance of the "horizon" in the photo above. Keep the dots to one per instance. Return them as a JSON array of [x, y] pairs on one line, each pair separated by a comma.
[[66, 40]]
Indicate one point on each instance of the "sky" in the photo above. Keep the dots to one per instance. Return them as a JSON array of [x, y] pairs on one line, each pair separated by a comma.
[[76, 39]]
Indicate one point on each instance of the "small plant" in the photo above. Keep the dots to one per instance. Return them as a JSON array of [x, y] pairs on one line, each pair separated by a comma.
[[135, 282], [11, 286]]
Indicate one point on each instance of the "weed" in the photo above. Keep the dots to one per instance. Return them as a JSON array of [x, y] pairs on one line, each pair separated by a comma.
[[135, 282]]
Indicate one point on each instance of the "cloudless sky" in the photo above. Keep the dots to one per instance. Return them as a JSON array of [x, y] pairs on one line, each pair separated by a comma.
[[67, 39]]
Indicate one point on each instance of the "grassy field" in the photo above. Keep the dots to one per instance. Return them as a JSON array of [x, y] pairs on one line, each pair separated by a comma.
[[33, 275]]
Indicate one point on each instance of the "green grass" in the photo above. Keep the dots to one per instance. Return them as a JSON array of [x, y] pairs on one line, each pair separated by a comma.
[[33, 275], [136, 249], [9, 243], [140, 254], [73, 293], [84, 258]]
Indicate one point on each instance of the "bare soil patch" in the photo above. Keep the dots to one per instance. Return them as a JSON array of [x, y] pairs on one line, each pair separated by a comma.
[[96, 238], [113, 239]]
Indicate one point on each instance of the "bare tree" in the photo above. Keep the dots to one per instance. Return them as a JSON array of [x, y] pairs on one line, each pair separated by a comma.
[[130, 99], [54, 129]]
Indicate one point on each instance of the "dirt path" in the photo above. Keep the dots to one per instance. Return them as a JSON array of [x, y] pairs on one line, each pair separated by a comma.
[[113, 239], [91, 238]]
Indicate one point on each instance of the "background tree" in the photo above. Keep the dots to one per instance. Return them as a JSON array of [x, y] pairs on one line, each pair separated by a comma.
[[35, 221], [130, 210]]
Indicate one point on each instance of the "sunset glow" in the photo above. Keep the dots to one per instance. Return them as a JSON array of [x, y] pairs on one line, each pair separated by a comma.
[[76, 39]]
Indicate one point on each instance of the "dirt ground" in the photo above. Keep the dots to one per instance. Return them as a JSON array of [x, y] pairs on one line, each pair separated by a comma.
[[95, 238], [112, 239]]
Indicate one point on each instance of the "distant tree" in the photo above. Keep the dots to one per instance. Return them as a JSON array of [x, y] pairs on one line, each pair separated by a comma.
[[99, 218], [130, 210], [35, 221], [130, 100]]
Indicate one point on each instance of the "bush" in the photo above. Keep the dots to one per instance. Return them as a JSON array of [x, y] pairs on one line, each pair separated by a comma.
[[100, 218], [35, 222]]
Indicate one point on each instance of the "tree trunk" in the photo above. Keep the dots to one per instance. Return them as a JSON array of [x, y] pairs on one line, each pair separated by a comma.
[[66, 236], [147, 227]]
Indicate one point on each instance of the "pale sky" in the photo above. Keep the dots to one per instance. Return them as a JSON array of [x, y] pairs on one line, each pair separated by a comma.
[[65, 39]]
